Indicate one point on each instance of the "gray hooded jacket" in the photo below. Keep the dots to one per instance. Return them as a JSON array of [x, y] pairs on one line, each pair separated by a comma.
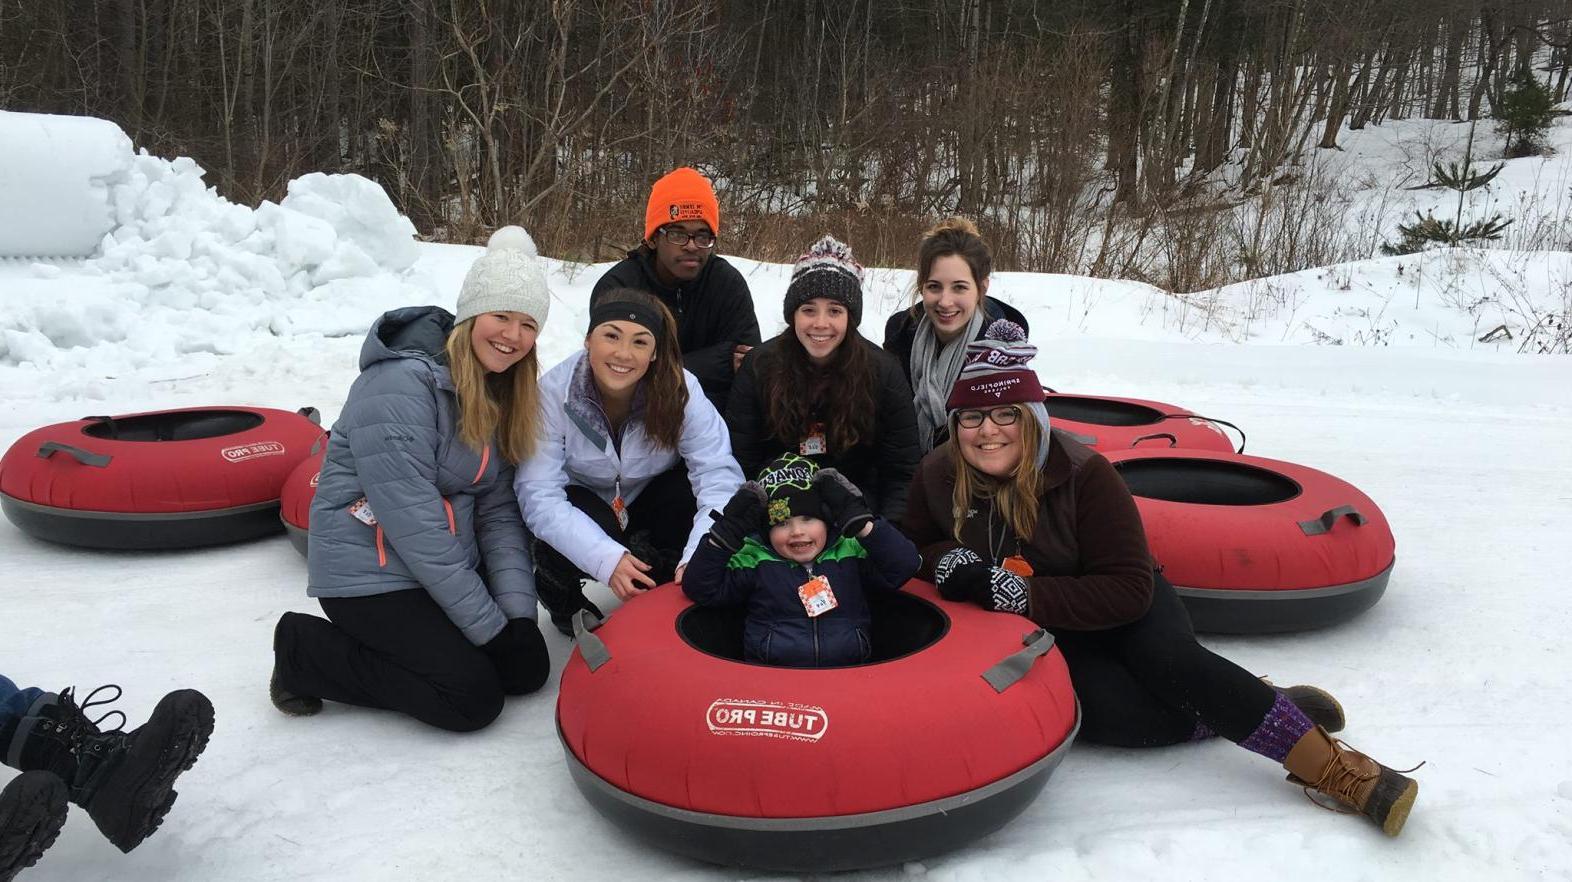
[[403, 503]]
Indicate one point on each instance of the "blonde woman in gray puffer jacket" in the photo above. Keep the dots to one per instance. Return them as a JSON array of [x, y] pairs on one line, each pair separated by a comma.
[[418, 553]]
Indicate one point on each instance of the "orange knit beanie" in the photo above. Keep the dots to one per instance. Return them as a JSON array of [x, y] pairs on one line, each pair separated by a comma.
[[682, 195]]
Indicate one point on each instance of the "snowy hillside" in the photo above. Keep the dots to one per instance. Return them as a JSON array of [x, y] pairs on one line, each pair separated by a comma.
[[1374, 371]]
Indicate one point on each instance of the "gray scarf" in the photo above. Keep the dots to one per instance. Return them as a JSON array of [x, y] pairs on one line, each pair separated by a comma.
[[934, 370]]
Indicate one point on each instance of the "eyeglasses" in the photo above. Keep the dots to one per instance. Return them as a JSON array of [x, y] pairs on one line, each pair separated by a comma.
[[680, 237], [1001, 416]]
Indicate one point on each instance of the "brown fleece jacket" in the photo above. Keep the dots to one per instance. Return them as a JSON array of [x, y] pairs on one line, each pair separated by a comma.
[[1091, 567]]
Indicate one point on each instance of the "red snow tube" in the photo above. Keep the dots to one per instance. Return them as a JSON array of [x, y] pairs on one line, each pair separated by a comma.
[[294, 501], [1256, 545], [949, 733], [1109, 424], [164, 479]]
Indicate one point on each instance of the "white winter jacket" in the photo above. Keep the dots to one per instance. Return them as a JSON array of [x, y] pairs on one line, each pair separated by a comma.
[[575, 450]]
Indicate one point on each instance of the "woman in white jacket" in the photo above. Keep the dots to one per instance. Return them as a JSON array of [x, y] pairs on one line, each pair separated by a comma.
[[632, 459]]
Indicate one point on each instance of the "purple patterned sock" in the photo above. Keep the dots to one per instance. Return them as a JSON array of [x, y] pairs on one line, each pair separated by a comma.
[[1201, 732], [1281, 728]]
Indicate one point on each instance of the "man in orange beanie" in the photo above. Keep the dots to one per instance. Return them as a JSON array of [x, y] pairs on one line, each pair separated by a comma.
[[676, 262]]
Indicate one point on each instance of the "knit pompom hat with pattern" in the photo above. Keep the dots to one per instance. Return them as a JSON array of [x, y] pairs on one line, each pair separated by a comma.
[[828, 269], [507, 278], [997, 372]]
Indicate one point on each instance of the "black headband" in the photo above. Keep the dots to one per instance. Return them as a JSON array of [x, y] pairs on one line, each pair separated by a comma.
[[627, 311]]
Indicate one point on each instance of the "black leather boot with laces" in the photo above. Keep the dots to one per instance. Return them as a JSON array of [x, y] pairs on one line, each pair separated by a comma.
[[32, 811], [124, 780]]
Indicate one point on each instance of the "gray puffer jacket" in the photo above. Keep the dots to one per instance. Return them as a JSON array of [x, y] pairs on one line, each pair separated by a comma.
[[442, 516]]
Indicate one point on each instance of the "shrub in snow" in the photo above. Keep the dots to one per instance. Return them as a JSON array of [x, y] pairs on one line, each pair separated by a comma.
[[1525, 114]]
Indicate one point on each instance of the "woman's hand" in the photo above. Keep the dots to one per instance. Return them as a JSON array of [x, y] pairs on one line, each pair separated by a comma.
[[681, 568], [629, 575]]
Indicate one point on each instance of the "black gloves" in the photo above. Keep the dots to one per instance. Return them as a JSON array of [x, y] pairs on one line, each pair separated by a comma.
[[844, 506], [745, 513], [960, 575], [519, 654]]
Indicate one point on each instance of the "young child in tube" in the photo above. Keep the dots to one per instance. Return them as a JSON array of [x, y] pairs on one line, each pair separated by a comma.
[[801, 550]]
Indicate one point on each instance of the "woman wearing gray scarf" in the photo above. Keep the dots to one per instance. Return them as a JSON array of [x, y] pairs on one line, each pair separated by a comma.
[[952, 309]]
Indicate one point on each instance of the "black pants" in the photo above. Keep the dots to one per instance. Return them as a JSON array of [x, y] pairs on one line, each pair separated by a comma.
[[397, 651], [1147, 683], [658, 525]]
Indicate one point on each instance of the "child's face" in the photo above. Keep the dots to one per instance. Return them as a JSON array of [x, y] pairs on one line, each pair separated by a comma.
[[799, 539]]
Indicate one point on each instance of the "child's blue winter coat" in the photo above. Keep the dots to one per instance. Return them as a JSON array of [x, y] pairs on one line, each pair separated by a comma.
[[778, 629]]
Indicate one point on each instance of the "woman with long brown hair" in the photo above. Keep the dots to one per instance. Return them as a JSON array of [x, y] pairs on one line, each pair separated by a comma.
[[417, 551], [1017, 518], [820, 390], [631, 454], [951, 308]]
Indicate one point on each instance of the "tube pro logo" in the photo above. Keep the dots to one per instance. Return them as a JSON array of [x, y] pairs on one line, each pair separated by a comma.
[[768, 719], [243, 452]]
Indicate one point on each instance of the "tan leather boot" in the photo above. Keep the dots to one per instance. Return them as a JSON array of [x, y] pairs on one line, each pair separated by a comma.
[[1328, 766]]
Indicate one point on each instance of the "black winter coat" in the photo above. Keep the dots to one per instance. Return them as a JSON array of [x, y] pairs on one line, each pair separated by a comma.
[[778, 630], [714, 313], [881, 465]]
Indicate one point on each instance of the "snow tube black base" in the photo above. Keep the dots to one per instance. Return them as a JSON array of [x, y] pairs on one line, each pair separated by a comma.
[[297, 537], [1235, 611], [125, 531], [802, 845]]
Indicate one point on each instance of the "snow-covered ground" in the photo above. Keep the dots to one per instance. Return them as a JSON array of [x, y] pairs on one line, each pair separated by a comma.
[[1463, 664]]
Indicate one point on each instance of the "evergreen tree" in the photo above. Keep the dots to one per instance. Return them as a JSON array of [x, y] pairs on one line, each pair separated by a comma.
[[1526, 111]]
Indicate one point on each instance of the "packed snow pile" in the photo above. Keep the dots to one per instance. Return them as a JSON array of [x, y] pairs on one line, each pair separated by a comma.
[[181, 269], [55, 183]]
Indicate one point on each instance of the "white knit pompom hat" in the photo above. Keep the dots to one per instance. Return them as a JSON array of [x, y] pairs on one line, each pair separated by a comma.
[[507, 278]]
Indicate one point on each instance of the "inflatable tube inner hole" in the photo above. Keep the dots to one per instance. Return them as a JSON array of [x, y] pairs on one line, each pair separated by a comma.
[[1101, 411], [902, 624], [187, 426], [1206, 482]]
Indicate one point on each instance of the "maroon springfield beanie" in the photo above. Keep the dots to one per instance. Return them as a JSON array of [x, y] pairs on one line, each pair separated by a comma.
[[997, 371]]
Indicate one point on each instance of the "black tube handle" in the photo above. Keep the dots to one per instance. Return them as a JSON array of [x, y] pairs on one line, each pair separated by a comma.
[[1323, 524], [1186, 416], [1172, 441], [311, 414], [85, 457]]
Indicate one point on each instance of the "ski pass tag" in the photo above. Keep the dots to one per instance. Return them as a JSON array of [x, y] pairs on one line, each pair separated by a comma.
[[814, 444], [1017, 565], [817, 598], [360, 510], [618, 506]]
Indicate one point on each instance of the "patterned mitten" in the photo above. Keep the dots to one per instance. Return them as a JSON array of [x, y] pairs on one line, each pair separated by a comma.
[[1006, 592], [960, 575]]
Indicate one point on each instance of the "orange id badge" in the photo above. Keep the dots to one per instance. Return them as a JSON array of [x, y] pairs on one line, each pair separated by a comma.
[[817, 598], [360, 510], [1017, 565], [814, 444], [620, 509]]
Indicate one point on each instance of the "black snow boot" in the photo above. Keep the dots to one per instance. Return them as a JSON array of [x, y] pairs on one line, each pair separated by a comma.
[[560, 586], [125, 780], [289, 702], [663, 565], [32, 811]]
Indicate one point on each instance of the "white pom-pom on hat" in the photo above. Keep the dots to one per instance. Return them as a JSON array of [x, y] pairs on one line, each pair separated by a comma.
[[507, 278], [512, 238]]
